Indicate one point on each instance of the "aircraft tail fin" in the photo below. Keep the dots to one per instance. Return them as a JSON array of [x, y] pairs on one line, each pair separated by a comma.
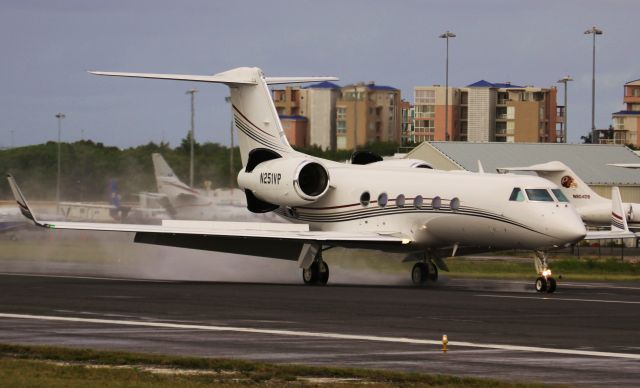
[[23, 205], [167, 181], [254, 114], [618, 218]]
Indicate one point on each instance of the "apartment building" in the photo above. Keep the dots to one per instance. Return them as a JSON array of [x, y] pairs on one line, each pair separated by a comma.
[[366, 113], [626, 123], [335, 117], [485, 112]]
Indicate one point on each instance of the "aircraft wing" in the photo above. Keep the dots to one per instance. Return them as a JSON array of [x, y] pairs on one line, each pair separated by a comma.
[[276, 240]]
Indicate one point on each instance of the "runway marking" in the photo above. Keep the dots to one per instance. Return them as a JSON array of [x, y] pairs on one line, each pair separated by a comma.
[[563, 299], [599, 286], [310, 334], [85, 277]]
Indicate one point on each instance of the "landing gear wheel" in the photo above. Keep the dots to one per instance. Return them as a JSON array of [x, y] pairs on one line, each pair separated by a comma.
[[551, 285], [541, 284], [433, 272], [323, 273], [316, 274], [310, 275], [419, 274]]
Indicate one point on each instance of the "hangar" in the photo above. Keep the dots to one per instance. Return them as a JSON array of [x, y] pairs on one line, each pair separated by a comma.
[[589, 161]]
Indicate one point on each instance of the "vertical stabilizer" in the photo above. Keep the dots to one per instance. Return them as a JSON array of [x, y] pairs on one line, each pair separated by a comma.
[[618, 219], [167, 182]]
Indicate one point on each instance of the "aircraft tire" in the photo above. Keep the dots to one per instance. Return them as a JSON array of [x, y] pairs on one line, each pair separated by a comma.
[[323, 273], [541, 284], [551, 285], [433, 272], [310, 275], [419, 274]]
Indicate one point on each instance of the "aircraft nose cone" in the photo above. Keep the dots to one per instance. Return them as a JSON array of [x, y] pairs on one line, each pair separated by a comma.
[[572, 232]]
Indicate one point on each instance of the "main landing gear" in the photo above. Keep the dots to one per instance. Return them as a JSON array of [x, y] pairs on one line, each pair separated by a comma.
[[318, 272], [545, 282], [423, 272]]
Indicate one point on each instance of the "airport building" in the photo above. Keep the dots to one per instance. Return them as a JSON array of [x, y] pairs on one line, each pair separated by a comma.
[[484, 112], [591, 166], [337, 117], [626, 123]]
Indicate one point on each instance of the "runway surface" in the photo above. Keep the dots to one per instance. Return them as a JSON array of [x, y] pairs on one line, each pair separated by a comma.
[[585, 333]]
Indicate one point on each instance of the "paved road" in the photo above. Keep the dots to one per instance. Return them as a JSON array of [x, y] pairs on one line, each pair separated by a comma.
[[345, 325]]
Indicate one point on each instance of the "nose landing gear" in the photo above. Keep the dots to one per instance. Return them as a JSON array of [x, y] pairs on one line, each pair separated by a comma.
[[545, 282]]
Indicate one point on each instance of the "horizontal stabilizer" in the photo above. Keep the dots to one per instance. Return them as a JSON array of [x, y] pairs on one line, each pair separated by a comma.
[[237, 76], [548, 167]]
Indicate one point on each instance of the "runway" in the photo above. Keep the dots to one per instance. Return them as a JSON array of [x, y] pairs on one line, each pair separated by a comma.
[[585, 333]]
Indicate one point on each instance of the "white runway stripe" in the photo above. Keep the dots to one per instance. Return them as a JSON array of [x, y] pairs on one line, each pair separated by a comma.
[[309, 334], [563, 299]]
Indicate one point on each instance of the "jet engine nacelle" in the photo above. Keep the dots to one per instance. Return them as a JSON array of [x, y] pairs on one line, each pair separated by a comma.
[[403, 163], [286, 181]]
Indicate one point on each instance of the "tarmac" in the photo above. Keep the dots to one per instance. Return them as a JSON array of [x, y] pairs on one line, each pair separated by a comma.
[[584, 334]]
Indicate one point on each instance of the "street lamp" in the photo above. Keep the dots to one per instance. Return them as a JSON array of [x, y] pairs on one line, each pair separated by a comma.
[[192, 92], [232, 171], [593, 31], [59, 116], [12, 144], [564, 81], [446, 36]]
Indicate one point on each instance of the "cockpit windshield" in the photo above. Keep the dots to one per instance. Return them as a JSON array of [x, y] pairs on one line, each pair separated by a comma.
[[559, 195], [517, 195], [539, 195]]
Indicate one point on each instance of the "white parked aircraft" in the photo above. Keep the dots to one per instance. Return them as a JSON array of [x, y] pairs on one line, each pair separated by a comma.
[[594, 209], [426, 213], [183, 202]]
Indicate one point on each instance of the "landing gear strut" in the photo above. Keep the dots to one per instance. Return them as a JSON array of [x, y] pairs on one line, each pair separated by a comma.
[[545, 282], [318, 272], [423, 272]]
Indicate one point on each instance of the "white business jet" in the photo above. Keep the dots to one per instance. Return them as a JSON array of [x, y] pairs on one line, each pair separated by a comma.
[[426, 213], [594, 209]]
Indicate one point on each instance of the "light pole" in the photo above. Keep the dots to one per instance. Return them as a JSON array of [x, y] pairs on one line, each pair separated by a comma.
[[565, 81], [593, 31], [446, 36], [59, 116], [12, 144], [192, 133], [355, 118], [232, 171]]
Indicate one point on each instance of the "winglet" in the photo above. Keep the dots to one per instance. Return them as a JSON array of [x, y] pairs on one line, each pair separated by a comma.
[[618, 218], [480, 167], [22, 201]]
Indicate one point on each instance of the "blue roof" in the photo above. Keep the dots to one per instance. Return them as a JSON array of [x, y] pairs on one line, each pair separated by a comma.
[[485, 84], [292, 117], [380, 87], [628, 112], [323, 85]]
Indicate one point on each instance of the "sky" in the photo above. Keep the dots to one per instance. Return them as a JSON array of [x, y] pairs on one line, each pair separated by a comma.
[[47, 47]]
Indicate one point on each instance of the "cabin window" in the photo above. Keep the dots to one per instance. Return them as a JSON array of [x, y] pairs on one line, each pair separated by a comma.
[[517, 195], [541, 195], [383, 198], [365, 198], [559, 195], [436, 203], [400, 200], [454, 204], [417, 202]]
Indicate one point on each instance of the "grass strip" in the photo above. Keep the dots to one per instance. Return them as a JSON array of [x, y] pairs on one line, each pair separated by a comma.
[[32, 366]]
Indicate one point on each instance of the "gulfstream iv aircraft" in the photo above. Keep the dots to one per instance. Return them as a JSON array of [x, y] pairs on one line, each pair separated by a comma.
[[425, 213]]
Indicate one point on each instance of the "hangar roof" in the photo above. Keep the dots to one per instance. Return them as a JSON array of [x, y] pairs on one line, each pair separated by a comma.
[[589, 161]]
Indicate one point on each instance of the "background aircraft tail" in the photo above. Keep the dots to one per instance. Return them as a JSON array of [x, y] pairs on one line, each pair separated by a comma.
[[167, 181], [618, 219], [254, 114]]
